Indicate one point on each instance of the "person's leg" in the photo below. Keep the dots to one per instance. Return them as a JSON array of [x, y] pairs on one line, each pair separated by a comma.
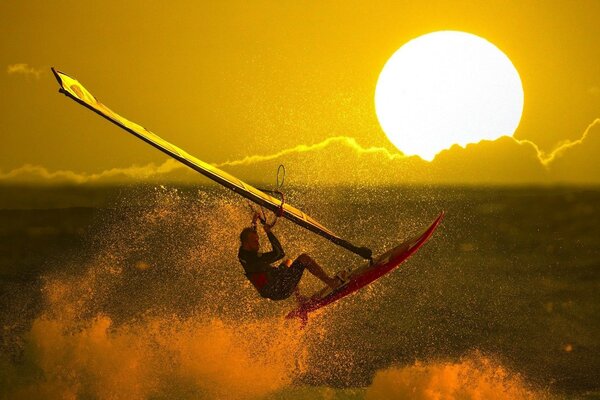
[[315, 269]]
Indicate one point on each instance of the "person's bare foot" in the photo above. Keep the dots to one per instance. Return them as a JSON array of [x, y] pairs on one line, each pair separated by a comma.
[[344, 275], [335, 282]]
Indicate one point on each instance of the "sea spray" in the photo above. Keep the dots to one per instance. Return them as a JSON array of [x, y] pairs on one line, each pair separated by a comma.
[[155, 283], [191, 357], [156, 308], [474, 377]]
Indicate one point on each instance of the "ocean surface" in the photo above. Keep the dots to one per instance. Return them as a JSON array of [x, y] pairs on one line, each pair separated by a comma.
[[136, 293]]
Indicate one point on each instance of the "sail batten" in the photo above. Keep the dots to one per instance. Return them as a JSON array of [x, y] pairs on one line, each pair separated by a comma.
[[76, 91]]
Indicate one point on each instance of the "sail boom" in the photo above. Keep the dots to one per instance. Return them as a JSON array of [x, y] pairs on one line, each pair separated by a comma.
[[77, 92]]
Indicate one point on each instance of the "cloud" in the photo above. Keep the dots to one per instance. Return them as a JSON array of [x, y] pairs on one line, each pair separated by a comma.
[[303, 148], [503, 161], [342, 160], [24, 69], [578, 163], [38, 174], [547, 158]]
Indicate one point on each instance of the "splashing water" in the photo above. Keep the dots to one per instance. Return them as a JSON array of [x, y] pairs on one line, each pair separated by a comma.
[[182, 357], [476, 377], [155, 305], [154, 311]]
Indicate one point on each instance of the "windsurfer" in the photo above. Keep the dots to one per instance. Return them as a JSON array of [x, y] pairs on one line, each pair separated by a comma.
[[276, 283]]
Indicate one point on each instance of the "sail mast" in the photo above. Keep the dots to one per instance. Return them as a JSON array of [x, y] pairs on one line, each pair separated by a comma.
[[76, 91]]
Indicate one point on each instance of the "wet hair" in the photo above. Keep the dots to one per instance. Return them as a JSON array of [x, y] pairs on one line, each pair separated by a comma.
[[246, 233]]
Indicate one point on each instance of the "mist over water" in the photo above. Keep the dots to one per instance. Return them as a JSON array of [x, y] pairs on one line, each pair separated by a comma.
[[143, 297]]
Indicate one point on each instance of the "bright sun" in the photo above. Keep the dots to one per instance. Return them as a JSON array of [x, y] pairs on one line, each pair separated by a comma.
[[447, 88]]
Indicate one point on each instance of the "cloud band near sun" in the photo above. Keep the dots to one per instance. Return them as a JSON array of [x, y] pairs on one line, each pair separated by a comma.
[[547, 158], [303, 148], [35, 174], [504, 161]]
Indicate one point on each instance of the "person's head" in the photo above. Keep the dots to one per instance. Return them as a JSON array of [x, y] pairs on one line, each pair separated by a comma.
[[249, 239]]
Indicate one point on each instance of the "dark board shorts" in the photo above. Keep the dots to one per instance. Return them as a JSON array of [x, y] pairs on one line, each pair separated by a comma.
[[283, 280]]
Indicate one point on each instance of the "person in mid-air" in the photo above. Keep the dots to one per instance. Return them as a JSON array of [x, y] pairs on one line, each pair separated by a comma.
[[276, 283]]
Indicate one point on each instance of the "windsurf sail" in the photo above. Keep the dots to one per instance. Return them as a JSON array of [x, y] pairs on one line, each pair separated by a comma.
[[76, 91]]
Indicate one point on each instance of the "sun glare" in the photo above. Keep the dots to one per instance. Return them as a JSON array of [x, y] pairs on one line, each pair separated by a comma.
[[447, 88]]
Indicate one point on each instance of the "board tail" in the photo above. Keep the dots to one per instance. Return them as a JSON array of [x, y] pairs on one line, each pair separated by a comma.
[[301, 314]]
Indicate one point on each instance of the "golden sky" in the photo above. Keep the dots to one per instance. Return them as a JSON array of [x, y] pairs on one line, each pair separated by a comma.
[[230, 80]]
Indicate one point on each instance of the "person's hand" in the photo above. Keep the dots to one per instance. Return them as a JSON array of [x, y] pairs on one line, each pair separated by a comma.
[[267, 227]]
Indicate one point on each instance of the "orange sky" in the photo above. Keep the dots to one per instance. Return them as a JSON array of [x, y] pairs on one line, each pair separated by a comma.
[[236, 79]]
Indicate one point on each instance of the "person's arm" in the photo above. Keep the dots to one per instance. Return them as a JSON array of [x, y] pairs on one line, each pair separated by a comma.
[[277, 253]]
